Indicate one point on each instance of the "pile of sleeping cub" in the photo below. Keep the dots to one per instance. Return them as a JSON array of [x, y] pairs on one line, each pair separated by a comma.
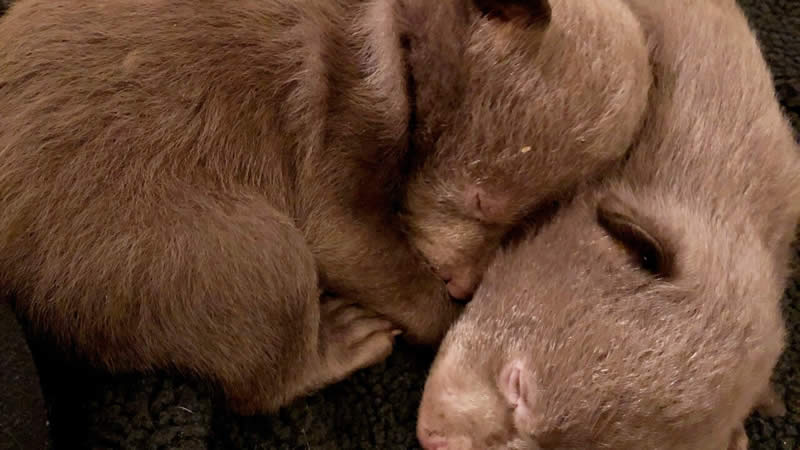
[[588, 207]]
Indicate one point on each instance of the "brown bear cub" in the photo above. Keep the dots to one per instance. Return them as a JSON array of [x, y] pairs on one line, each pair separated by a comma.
[[531, 105], [215, 187], [646, 313]]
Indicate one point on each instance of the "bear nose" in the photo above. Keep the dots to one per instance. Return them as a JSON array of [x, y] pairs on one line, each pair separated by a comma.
[[432, 442]]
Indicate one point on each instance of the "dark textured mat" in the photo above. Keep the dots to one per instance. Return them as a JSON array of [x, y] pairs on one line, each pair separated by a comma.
[[23, 419], [376, 408]]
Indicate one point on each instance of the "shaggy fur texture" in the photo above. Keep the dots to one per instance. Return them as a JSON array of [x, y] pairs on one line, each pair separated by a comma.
[[517, 113], [647, 312], [376, 408], [204, 171]]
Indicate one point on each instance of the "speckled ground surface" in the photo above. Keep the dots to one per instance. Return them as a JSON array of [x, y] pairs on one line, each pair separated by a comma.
[[376, 407]]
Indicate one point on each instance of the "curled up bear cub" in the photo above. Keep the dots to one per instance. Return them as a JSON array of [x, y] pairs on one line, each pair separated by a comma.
[[646, 312], [217, 188]]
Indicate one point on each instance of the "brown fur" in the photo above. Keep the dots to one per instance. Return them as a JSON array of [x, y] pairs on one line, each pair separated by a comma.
[[646, 313], [516, 128], [179, 180]]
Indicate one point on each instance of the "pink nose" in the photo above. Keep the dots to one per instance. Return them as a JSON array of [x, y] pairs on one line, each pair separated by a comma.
[[459, 282], [461, 285], [433, 443], [458, 291]]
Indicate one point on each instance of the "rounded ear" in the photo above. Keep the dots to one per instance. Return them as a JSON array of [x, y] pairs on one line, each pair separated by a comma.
[[487, 207], [532, 12], [641, 235], [517, 387], [512, 386]]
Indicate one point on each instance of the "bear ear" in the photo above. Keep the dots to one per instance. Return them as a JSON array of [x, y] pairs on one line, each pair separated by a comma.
[[517, 387], [533, 12], [487, 207]]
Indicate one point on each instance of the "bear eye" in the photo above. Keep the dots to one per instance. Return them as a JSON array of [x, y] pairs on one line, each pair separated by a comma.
[[638, 236]]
